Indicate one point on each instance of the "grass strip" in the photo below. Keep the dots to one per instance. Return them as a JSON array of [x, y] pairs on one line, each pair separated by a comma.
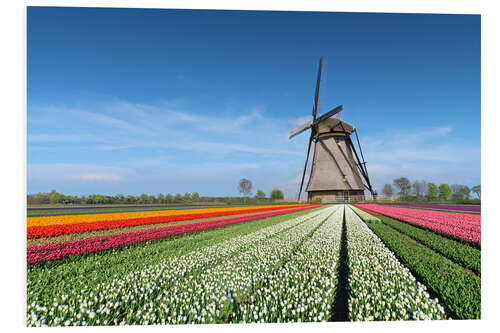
[[457, 287]]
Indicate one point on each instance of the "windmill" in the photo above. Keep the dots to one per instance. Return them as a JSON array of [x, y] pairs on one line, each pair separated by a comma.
[[337, 172]]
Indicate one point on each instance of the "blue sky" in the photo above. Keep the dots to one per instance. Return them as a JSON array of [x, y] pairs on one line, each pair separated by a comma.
[[171, 101]]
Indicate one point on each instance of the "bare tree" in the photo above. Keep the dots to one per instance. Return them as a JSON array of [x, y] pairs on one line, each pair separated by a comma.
[[460, 191], [477, 191], [245, 187], [465, 191], [388, 191], [455, 188], [419, 187]]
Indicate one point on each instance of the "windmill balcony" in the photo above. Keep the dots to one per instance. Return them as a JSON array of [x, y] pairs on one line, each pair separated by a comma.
[[337, 196]]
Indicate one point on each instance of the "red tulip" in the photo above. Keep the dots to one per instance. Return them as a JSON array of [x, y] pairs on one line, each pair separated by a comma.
[[61, 250], [54, 230]]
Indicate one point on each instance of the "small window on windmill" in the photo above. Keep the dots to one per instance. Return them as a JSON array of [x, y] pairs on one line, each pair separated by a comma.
[[345, 179]]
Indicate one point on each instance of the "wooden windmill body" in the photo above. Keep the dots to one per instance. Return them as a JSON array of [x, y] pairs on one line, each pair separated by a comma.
[[337, 172]]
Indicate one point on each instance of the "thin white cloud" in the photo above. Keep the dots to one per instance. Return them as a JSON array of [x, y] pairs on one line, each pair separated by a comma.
[[102, 119], [71, 119], [107, 147], [166, 116], [61, 172], [227, 148], [432, 144], [430, 154], [96, 177], [160, 126], [40, 138], [249, 144], [300, 121]]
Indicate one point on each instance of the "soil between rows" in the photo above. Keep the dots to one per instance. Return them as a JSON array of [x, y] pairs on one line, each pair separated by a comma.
[[340, 309]]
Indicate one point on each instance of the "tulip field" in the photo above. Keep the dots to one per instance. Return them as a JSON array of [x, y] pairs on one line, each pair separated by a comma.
[[475, 209], [253, 264], [462, 226]]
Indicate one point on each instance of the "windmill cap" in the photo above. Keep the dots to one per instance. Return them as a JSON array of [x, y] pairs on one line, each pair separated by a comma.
[[334, 125]]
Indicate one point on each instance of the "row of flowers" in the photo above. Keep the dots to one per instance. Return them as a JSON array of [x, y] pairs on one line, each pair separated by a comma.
[[202, 286], [72, 228], [464, 226], [304, 288], [86, 218], [61, 250], [460, 253], [109, 232], [380, 287], [455, 208]]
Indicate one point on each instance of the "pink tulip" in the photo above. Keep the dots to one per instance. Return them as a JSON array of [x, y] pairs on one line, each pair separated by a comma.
[[464, 226]]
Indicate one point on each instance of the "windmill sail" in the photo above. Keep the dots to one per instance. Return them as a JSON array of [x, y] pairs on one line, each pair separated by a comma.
[[332, 113], [300, 129]]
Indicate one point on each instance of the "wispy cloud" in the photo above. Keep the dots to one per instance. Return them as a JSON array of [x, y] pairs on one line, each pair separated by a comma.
[[45, 138], [101, 119], [61, 172], [155, 126], [300, 121], [227, 148], [168, 148], [97, 177], [431, 154], [430, 144]]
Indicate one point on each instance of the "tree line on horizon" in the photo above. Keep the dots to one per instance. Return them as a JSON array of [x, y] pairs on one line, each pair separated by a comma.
[[420, 190], [245, 187], [54, 197]]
